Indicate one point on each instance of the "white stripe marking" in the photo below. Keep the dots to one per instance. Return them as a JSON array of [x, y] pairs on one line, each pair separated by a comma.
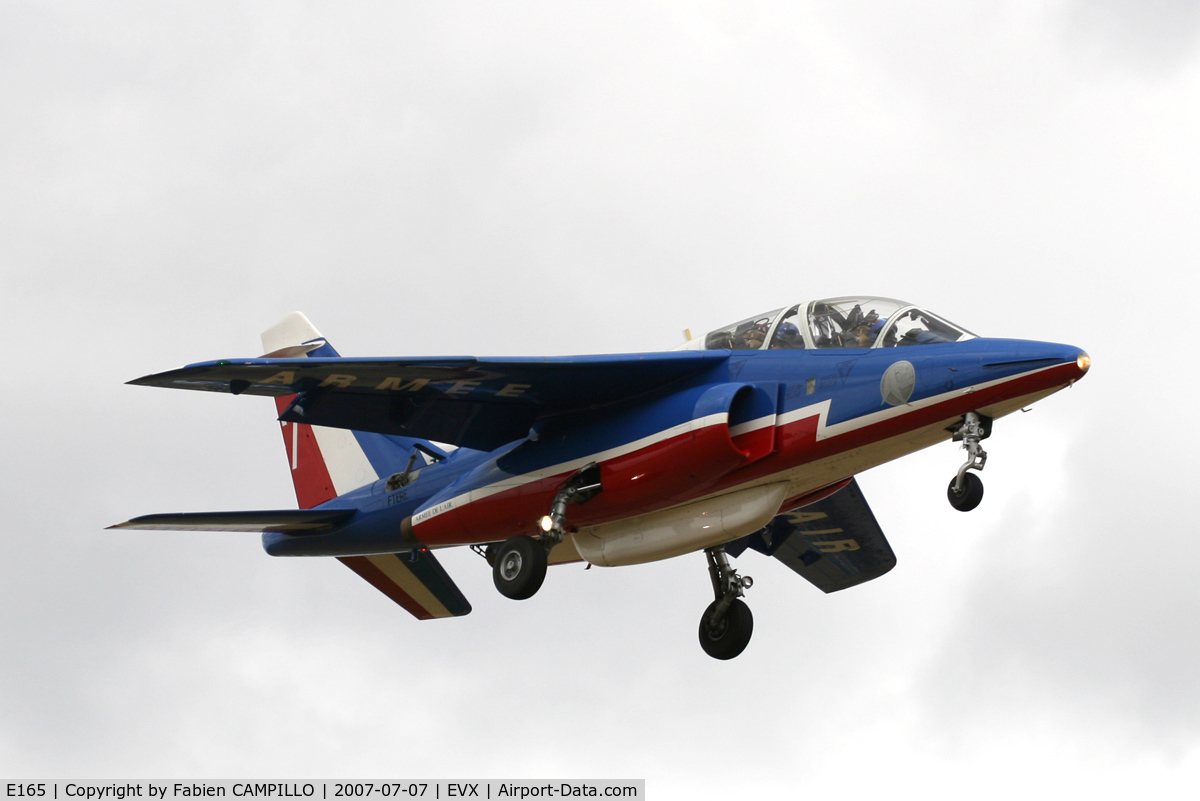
[[751, 425], [528, 478], [819, 410], [825, 431], [344, 459]]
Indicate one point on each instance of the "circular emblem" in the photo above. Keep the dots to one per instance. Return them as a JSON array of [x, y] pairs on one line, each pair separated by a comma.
[[897, 383]]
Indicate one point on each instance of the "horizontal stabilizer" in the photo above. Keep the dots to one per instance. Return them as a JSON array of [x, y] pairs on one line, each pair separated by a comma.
[[288, 521], [473, 403], [416, 581], [835, 543]]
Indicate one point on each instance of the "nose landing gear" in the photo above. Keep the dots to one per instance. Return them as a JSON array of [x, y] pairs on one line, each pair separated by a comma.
[[966, 489], [726, 625]]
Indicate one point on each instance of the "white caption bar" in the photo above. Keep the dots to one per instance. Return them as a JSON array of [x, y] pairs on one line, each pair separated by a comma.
[[328, 790]]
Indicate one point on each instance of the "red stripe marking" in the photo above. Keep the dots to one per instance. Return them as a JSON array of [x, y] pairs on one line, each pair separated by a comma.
[[515, 511], [757, 444], [797, 442], [658, 475], [310, 476], [378, 579]]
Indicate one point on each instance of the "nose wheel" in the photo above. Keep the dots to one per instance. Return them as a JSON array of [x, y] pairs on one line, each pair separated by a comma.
[[725, 636], [726, 625], [967, 497], [966, 489]]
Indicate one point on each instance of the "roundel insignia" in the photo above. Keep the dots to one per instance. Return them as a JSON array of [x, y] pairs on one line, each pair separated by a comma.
[[897, 383]]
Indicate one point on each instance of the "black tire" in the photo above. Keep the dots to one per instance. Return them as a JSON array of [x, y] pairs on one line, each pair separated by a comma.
[[732, 635], [520, 567], [971, 495]]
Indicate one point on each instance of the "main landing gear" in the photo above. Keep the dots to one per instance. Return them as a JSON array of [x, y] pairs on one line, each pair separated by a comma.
[[966, 489], [727, 624], [519, 563], [518, 566]]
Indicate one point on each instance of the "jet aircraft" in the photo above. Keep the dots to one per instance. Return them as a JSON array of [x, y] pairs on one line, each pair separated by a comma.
[[747, 438]]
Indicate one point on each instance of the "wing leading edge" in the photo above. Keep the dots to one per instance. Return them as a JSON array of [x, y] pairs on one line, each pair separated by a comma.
[[835, 543]]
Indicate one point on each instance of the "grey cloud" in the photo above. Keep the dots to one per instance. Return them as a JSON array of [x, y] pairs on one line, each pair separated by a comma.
[[1088, 610], [550, 179], [1154, 37]]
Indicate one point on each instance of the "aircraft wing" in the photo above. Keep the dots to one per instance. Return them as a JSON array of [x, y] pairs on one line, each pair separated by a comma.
[[474, 403], [835, 543]]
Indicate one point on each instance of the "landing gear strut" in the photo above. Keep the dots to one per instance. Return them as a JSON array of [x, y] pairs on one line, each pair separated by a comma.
[[966, 489], [519, 563], [727, 623]]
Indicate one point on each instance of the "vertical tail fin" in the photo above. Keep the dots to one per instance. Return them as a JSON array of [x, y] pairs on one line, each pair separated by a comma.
[[328, 462]]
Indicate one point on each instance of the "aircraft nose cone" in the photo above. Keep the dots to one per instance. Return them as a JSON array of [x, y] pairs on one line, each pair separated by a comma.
[[1076, 358], [1069, 363]]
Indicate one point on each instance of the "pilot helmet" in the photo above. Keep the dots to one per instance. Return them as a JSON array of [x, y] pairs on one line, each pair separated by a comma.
[[788, 332], [878, 326]]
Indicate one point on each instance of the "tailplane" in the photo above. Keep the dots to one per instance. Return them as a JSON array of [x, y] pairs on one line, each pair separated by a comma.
[[326, 463]]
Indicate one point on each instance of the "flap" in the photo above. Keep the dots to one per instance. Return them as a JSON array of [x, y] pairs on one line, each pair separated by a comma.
[[475, 403], [288, 521], [835, 543]]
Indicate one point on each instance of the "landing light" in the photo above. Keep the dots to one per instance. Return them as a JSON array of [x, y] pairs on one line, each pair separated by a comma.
[[546, 523], [1083, 362]]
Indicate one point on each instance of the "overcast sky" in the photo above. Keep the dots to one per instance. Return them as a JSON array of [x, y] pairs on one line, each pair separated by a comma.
[[528, 178]]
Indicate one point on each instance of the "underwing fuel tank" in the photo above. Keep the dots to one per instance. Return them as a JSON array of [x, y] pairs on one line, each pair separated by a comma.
[[682, 529]]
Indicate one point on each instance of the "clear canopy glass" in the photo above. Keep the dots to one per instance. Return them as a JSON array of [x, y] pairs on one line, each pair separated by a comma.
[[748, 334], [849, 322]]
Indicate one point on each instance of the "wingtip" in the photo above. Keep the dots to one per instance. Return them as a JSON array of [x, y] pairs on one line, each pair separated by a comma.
[[150, 379]]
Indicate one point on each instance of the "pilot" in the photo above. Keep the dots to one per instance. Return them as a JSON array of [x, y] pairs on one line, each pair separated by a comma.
[[752, 339], [864, 334], [922, 333], [920, 336], [787, 336]]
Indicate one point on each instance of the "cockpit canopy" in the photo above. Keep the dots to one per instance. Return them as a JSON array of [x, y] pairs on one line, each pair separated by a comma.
[[850, 322]]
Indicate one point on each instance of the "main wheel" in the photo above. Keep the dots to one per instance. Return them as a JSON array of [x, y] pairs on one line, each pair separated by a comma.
[[731, 635], [520, 567], [971, 495]]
